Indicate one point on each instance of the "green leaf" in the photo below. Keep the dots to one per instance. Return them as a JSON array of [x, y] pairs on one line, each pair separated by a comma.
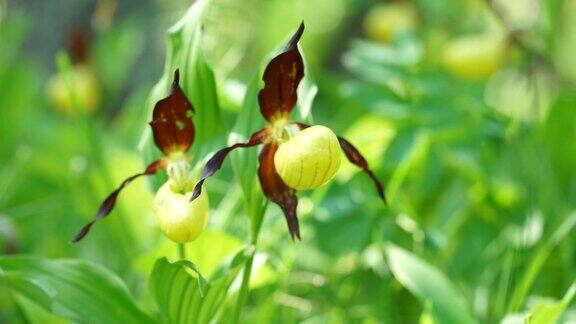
[[429, 285], [537, 262], [353, 230], [548, 312], [380, 63], [416, 156], [245, 161], [74, 289], [27, 287], [113, 60], [174, 289], [35, 313], [180, 296], [197, 81], [307, 91], [220, 244]]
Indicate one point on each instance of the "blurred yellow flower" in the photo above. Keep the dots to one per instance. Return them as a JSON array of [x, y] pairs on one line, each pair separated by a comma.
[[384, 21], [84, 88], [474, 57]]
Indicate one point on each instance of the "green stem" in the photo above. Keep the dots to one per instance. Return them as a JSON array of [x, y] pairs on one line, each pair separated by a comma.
[[182, 251], [245, 287]]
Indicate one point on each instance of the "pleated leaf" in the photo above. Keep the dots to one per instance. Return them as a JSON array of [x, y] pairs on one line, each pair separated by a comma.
[[75, 289], [183, 296]]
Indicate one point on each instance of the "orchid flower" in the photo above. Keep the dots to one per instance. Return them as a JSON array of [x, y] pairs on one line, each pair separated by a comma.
[[173, 133], [294, 156]]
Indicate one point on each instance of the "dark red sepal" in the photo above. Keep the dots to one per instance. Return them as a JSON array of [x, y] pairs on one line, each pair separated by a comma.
[[276, 190], [301, 126], [215, 162], [108, 203], [356, 158], [171, 123], [281, 79], [79, 43]]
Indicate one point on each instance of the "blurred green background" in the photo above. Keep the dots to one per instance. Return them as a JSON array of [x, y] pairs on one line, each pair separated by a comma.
[[465, 109]]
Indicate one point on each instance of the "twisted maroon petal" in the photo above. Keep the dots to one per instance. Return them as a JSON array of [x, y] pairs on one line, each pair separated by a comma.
[[354, 156], [357, 159], [108, 203], [215, 162]]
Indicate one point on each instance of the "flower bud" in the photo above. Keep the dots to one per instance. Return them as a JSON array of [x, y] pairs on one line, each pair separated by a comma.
[[309, 159], [178, 218]]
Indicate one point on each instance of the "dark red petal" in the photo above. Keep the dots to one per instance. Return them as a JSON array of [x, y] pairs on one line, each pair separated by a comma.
[[79, 44], [108, 203], [356, 158], [171, 123], [276, 190], [281, 79], [217, 159]]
